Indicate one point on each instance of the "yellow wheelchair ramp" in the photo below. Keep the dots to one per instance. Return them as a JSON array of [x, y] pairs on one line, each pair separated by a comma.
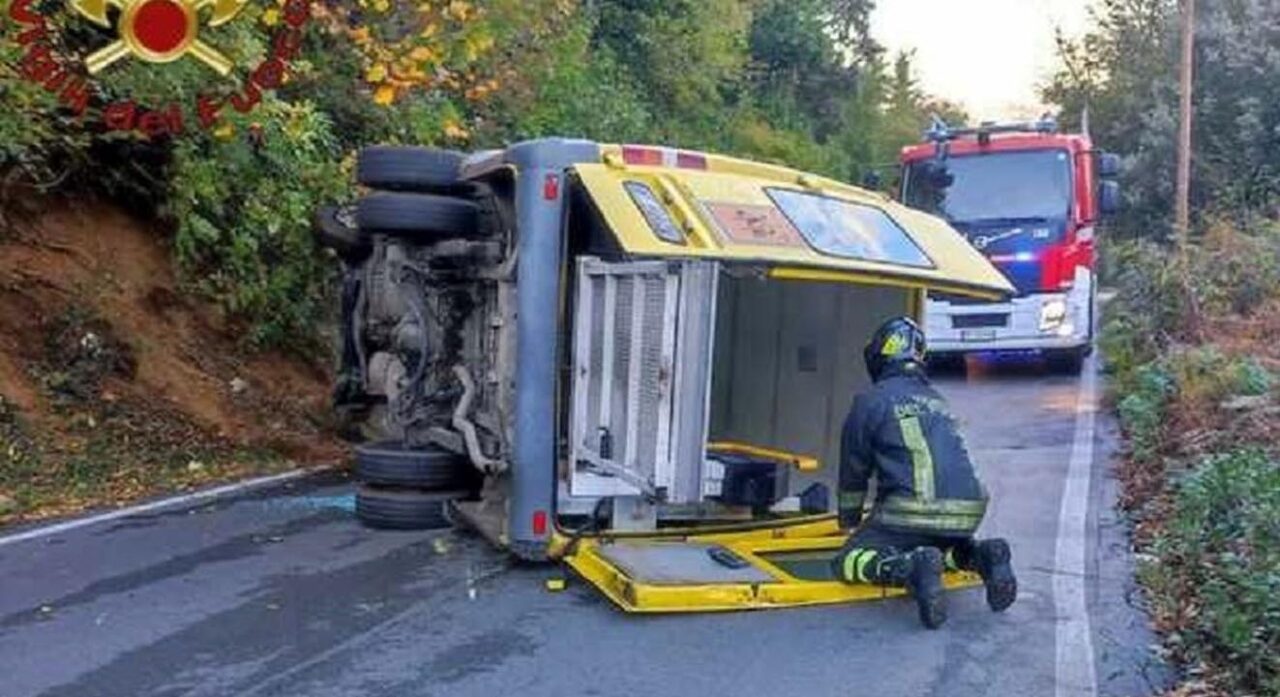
[[720, 573]]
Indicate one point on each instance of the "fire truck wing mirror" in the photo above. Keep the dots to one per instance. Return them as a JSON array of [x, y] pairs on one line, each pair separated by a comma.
[[1108, 165], [1109, 197]]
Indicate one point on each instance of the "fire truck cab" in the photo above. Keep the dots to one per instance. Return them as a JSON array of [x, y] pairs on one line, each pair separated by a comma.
[[1029, 199]]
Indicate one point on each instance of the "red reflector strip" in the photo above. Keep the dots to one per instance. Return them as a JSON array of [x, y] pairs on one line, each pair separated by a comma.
[[551, 187], [691, 160], [539, 523], [633, 155]]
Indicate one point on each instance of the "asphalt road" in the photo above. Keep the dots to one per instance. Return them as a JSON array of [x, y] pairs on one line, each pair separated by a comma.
[[282, 593]]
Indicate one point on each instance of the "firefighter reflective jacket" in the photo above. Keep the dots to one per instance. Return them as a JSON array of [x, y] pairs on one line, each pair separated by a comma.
[[902, 432]]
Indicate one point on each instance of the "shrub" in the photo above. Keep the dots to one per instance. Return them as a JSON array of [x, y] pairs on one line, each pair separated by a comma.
[[1219, 575], [1158, 306], [1204, 375], [242, 200], [1142, 411]]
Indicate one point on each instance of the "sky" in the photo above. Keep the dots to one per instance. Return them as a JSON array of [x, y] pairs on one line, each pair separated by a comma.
[[988, 55]]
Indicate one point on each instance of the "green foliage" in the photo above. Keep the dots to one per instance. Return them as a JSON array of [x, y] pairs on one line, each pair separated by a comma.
[[1142, 410], [1219, 572], [20, 457], [35, 137], [1179, 348], [798, 82], [1206, 375], [242, 202], [1191, 375], [583, 92], [1125, 71], [686, 55], [1252, 378], [1157, 305]]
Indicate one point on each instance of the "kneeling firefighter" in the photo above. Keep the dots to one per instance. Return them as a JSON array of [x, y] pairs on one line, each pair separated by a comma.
[[928, 501]]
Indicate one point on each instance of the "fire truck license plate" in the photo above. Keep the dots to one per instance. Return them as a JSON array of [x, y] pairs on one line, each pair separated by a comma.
[[977, 334]]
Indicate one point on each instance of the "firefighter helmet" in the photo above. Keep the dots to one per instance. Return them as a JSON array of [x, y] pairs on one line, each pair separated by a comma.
[[898, 341]]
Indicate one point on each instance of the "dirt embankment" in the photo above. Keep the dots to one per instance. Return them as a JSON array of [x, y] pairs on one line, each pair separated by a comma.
[[114, 384]]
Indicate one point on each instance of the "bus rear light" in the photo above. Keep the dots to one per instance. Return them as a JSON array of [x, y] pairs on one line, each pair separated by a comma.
[[635, 155], [539, 523], [663, 157], [691, 160], [551, 187]]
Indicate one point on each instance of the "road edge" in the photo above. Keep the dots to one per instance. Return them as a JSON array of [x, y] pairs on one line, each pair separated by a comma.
[[1074, 670], [171, 502]]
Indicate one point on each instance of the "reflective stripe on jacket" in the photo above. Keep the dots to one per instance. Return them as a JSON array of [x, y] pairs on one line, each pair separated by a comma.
[[902, 432]]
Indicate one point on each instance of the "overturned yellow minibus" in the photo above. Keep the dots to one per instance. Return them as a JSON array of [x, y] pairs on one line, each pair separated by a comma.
[[632, 359]]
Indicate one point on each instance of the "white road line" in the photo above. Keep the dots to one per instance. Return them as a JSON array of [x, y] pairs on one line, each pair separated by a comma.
[[1074, 670], [174, 502]]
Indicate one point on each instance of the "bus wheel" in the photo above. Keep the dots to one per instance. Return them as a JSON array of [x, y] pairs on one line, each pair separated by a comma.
[[403, 509], [334, 227], [406, 168], [424, 218], [392, 463]]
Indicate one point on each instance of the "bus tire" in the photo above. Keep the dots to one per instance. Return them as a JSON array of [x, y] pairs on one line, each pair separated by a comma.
[[334, 227], [409, 168], [425, 218], [403, 509], [392, 463]]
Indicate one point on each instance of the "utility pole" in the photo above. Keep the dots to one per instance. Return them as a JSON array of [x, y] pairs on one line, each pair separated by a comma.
[[1182, 206]]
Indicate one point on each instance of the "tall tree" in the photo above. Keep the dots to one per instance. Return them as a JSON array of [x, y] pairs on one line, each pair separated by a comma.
[[1125, 70]]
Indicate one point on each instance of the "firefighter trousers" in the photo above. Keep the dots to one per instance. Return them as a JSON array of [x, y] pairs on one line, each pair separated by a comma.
[[878, 554]]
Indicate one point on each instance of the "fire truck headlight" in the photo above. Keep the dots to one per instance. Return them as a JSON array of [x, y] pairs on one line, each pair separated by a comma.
[[1052, 315]]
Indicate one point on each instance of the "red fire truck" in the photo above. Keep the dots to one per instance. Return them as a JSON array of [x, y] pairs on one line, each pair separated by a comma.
[[1029, 198]]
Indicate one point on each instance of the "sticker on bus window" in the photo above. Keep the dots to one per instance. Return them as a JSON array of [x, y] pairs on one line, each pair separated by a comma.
[[750, 224]]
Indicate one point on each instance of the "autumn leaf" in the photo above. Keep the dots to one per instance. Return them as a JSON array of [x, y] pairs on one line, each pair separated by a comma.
[[453, 129], [459, 10], [377, 73], [384, 95], [476, 45], [271, 17]]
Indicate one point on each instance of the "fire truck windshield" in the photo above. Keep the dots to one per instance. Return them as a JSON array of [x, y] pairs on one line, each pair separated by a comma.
[[1020, 185]]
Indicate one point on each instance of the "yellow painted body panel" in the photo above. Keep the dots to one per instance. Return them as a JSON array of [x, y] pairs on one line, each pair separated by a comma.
[[821, 536], [689, 194]]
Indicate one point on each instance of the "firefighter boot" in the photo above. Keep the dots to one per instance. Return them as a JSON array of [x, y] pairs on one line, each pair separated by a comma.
[[991, 559], [921, 573]]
